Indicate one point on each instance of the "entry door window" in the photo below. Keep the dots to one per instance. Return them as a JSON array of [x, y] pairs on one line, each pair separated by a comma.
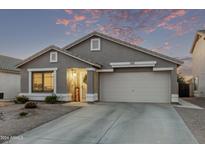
[[42, 82]]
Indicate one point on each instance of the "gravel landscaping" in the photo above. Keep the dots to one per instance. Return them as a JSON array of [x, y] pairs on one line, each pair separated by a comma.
[[200, 101], [12, 124], [194, 118]]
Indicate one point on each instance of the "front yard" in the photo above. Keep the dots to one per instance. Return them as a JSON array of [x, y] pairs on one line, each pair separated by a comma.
[[15, 119]]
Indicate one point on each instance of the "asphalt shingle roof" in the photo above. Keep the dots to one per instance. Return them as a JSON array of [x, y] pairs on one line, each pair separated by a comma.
[[8, 64]]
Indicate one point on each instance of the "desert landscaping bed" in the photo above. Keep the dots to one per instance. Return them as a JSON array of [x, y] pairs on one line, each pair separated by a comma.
[[195, 120], [13, 124], [200, 101]]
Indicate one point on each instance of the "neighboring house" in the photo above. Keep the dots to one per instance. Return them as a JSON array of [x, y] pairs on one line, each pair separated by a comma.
[[198, 63], [98, 67], [9, 78]]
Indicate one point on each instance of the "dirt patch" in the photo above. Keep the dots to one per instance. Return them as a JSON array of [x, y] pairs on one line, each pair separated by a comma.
[[3, 104], [195, 120], [12, 124]]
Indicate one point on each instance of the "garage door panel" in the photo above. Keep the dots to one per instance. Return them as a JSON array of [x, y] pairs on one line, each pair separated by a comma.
[[135, 87]]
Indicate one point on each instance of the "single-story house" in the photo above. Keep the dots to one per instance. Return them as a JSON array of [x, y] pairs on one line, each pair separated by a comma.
[[198, 63], [9, 78], [98, 67]]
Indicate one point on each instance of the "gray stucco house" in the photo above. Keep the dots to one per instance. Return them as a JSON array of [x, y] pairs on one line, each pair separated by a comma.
[[98, 67]]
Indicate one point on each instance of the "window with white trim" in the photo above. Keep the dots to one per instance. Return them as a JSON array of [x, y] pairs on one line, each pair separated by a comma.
[[43, 81], [95, 44], [53, 57]]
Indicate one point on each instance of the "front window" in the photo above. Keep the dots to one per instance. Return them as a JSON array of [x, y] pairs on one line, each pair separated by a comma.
[[196, 83], [42, 81]]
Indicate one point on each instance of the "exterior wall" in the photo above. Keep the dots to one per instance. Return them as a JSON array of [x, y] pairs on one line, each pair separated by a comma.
[[198, 66], [96, 81], [9, 85], [92, 82], [64, 62], [113, 52]]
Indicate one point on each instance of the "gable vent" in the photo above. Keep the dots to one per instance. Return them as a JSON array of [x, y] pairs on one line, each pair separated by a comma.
[[95, 44], [53, 57]]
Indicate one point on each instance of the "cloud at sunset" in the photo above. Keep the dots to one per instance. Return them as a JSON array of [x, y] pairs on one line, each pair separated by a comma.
[[170, 32], [68, 11], [79, 17], [64, 22]]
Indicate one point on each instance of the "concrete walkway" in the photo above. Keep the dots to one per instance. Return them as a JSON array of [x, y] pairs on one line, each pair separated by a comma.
[[114, 123], [186, 104]]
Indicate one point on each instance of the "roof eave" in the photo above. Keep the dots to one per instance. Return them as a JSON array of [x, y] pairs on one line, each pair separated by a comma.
[[195, 40], [57, 49]]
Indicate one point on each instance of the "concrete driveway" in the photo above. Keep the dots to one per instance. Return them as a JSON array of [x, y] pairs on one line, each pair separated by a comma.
[[114, 123]]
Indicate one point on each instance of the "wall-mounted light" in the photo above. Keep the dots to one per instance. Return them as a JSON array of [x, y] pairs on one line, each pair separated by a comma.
[[74, 75]]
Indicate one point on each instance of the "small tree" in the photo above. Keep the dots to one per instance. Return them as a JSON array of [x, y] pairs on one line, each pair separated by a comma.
[[180, 79]]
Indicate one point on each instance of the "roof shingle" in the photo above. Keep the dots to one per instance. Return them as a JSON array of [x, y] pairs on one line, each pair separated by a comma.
[[8, 64]]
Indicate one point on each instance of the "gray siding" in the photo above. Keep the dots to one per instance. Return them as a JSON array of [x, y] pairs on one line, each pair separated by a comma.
[[113, 52], [64, 62]]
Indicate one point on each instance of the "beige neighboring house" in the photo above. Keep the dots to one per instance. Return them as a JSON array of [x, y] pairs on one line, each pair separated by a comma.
[[9, 78], [198, 63]]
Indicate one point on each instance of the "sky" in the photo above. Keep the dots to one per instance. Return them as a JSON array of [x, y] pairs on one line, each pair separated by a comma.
[[170, 32]]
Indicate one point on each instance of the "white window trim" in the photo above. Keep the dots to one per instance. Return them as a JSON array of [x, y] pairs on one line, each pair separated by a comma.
[[90, 69], [163, 69], [105, 70], [41, 96], [42, 70], [56, 54], [91, 44], [135, 64]]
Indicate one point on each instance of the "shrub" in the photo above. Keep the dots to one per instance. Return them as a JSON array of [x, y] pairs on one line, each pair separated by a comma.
[[30, 105], [22, 114], [21, 99], [51, 99]]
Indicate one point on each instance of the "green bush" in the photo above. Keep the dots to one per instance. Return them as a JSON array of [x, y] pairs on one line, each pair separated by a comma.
[[30, 105], [51, 99], [21, 99], [22, 114]]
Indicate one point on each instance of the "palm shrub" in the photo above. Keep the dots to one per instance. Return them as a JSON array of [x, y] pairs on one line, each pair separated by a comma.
[[30, 105], [51, 99], [21, 99]]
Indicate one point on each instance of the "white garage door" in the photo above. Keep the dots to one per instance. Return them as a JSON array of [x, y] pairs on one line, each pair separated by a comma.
[[153, 87]]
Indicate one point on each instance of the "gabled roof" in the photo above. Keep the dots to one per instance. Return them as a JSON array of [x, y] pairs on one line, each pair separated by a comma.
[[149, 52], [59, 50], [198, 34], [8, 64]]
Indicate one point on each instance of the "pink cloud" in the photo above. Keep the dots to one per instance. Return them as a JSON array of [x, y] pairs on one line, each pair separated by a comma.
[[62, 21], [68, 11], [79, 17], [156, 21], [124, 33], [164, 48], [172, 15]]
